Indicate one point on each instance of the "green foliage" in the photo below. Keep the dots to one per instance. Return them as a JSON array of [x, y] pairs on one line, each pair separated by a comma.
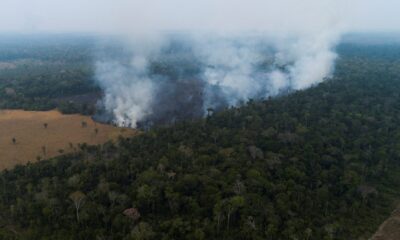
[[316, 164]]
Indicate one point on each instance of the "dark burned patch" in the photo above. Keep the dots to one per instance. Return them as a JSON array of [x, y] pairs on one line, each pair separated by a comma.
[[88, 98], [85, 104], [180, 100], [103, 116]]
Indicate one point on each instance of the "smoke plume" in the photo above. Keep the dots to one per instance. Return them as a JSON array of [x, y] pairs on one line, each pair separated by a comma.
[[156, 76]]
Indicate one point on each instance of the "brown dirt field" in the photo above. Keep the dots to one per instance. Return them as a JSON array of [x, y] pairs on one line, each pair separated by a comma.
[[390, 229], [27, 127]]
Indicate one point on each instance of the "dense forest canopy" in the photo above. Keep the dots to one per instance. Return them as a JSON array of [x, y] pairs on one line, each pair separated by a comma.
[[315, 164]]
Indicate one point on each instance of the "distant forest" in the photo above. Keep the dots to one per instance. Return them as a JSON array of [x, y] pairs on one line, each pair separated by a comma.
[[47, 72], [317, 164]]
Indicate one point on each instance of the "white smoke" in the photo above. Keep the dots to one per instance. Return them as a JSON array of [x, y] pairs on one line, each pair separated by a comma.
[[129, 97], [313, 58], [128, 89], [231, 66], [256, 66]]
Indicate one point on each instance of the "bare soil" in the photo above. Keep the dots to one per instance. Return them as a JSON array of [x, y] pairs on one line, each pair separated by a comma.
[[390, 229], [34, 141]]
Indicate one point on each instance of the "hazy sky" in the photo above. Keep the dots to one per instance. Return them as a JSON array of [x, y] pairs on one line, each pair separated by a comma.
[[141, 15]]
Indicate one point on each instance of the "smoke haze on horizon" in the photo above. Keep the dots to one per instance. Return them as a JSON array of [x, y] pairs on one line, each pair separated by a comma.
[[107, 16]]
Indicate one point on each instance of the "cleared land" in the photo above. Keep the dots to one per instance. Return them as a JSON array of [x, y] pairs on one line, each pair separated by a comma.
[[48, 134], [390, 229]]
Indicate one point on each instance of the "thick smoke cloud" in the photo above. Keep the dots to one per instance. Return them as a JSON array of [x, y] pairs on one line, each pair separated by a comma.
[[187, 74], [161, 77]]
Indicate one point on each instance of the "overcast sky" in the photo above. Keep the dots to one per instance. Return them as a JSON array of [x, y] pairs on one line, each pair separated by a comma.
[[143, 15]]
